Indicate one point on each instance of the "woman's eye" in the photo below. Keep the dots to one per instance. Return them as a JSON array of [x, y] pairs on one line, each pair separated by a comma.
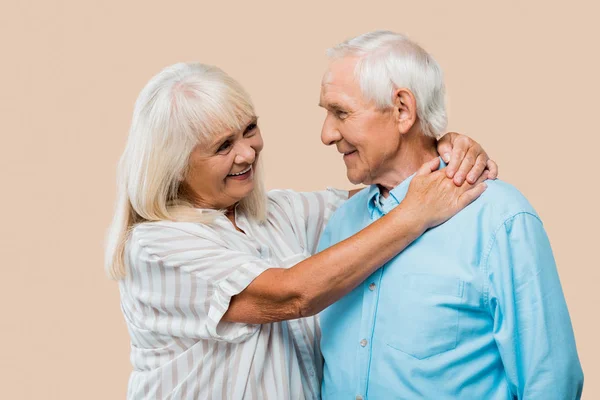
[[250, 128], [224, 146]]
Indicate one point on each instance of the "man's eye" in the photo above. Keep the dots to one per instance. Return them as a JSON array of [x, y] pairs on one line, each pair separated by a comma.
[[224, 146], [341, 114]]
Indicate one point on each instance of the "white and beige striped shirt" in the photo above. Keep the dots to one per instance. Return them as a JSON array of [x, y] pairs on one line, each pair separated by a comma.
[[180, 281]]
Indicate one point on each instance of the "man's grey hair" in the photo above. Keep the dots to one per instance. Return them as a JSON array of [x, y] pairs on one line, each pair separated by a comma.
[[388, 61]]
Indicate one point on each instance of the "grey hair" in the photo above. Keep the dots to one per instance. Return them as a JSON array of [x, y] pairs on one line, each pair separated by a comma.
[[181, 107], [388, 61]]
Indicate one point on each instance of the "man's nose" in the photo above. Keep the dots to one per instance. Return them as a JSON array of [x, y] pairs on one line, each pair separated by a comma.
[[329, 133]]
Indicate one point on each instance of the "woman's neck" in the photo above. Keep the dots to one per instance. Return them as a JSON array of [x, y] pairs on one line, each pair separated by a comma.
[[230, 214]]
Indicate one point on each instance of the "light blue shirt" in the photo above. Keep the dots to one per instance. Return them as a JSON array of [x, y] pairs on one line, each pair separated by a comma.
[[473, 309]]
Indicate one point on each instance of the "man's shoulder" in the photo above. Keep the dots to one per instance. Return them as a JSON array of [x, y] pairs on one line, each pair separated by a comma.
[[504, 200], [356, 205], [346, 220]]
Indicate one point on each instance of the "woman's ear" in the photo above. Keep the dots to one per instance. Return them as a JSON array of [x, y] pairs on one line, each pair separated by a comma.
[[405, 106]]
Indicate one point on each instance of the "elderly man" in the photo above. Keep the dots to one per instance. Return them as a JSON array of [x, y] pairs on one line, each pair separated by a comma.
[[474, 308]]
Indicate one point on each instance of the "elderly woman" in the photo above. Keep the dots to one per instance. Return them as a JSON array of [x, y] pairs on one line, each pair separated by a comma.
[[219, 282]]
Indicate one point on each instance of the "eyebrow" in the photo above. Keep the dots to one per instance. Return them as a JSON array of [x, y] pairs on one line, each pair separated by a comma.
[[253, 120], [334, 106]]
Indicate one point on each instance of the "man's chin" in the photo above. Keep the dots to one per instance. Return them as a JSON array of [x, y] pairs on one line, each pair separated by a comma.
[[354, 179]]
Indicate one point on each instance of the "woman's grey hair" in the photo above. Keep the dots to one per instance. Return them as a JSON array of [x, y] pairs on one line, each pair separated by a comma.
[[389, 61], [180, 108]]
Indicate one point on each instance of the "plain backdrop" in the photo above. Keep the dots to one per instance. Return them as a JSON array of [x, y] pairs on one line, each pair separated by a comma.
[[522, 78]]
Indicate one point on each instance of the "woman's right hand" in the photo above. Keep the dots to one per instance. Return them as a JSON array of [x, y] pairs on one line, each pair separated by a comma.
[[434, 198]]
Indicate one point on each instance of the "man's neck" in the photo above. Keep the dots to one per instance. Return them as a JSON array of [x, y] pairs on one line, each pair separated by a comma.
[[414, 150]]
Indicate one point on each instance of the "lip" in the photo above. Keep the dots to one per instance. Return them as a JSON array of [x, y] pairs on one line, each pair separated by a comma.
[[349, 154], [246, 175]]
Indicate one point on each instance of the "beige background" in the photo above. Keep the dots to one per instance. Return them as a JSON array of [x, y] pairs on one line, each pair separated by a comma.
[[522, 79]]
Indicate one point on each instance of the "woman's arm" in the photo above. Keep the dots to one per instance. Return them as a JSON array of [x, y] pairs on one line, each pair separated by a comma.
[[313, 284]]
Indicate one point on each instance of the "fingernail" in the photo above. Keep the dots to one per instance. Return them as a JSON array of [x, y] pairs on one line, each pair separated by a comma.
[[458, 178], [446, 157]]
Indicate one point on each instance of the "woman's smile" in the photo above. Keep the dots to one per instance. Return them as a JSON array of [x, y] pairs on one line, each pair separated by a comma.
[[242, 175]]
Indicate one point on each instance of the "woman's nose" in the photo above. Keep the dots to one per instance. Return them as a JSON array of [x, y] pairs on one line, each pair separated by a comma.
[[245, 154]]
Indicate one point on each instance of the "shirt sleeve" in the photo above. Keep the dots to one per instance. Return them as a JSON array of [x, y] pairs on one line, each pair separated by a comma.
[[181, 283], [532, 327], [309, 212]]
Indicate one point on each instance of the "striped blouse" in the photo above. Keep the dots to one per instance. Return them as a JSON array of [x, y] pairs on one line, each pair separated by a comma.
[[181, 278]]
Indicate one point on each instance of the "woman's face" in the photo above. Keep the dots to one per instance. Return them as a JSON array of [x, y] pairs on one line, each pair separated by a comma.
[[221, 172]]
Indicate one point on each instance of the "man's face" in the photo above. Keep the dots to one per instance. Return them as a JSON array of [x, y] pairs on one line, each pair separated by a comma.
[[367, 137]]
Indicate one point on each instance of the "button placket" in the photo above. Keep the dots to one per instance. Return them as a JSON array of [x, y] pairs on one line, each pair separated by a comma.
[[366, 331]]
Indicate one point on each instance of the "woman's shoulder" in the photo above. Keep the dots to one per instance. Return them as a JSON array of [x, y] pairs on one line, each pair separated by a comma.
[[160, 237], [285, 201], [164, 229], [277, 195]]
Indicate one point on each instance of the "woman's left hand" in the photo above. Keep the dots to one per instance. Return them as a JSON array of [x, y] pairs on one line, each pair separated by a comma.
[[465, 158]]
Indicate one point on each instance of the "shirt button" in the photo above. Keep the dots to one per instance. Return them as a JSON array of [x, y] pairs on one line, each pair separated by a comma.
[[363, 342], [359, 397], [372, 287]]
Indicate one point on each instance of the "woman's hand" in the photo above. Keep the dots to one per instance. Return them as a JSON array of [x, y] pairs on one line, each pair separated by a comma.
[[465, 158], [434, 198]]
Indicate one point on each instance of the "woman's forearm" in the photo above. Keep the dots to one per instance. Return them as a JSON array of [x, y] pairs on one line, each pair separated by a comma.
[[313, 284], [324, 278]]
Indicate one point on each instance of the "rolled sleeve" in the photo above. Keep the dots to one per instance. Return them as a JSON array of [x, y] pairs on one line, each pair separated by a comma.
[[232, 285], [183, 283]]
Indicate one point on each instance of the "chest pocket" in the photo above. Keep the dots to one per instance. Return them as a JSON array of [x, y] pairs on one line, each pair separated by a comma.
[[420, 314]]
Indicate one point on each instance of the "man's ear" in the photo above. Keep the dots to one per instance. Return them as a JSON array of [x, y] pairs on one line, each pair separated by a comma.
[[405, 106]]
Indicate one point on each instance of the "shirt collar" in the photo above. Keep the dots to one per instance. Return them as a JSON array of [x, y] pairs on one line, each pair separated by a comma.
[[397, 194]]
